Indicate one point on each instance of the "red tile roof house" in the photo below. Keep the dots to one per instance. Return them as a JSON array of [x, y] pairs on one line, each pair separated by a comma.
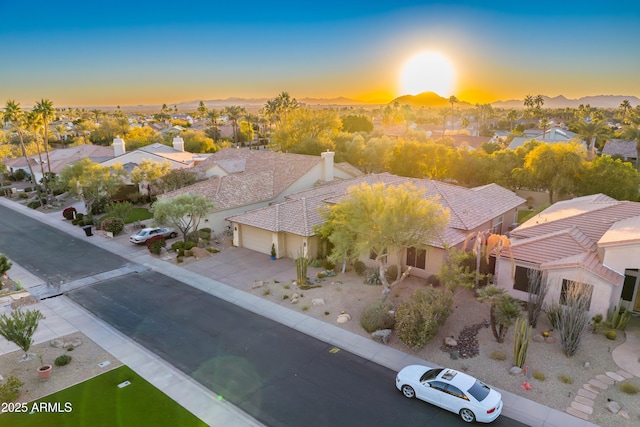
[[240, 180], [592, 239], [289, 225]]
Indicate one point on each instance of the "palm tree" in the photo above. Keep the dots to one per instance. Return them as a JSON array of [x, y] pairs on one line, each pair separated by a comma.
[[234, 113], [543, 124], [452, 100], [590, 132], [45, 109], [61, 130], [214, 115], [508, 310], [528, 103], [33, 124], [14, 115], [625, 107]]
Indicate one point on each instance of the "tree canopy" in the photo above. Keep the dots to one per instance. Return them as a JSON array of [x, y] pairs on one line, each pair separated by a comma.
[[379, 219], [92, 181], [184, 212]]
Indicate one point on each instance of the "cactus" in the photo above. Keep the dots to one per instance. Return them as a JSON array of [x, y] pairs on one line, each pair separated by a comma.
[[611, 335], [522, 334], [619, 318], [301, 268]]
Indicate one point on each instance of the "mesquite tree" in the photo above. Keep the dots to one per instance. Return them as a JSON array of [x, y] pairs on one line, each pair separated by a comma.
[[19, 327]]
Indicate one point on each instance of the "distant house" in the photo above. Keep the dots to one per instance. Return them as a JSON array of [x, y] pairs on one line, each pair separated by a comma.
[[175, 155], [621, 148], [593, 240], [289, 225], [552, 135], [60, 158], [238, 180]]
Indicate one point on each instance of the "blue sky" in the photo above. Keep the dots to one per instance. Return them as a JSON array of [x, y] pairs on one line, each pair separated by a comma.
[[128, 53]]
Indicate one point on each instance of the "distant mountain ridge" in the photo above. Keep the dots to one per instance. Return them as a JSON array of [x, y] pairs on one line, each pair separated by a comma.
[[560, 101]]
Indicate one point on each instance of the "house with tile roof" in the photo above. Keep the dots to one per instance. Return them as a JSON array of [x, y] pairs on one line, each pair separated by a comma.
[[289, 225], [621, 148], [60, 158], [552, 135], [238, 180], [593, 240], [175, 155]]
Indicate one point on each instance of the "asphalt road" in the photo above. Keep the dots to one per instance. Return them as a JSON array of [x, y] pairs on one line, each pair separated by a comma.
[[279, 376]]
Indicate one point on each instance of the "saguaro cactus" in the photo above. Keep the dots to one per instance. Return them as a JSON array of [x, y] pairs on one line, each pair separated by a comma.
[[302, 261]]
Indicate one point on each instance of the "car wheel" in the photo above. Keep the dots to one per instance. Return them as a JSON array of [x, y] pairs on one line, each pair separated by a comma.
[[408, 391], [467, 415], [172, 235]]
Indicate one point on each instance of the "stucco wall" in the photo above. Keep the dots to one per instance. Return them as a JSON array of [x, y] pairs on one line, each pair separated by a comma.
[[621, 257]]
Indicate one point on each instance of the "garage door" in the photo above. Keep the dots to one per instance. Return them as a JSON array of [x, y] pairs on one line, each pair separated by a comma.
[[256, 239]]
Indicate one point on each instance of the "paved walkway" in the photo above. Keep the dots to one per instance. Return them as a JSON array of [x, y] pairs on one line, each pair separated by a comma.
[[516, 407]]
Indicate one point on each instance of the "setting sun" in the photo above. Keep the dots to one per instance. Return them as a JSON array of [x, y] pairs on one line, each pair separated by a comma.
[[427, 71]]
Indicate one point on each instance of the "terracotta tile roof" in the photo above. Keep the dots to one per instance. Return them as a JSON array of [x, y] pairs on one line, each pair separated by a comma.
[[463, 204], [620, 147], [590, 262], [168, 152], [62, 157], [552, 246]]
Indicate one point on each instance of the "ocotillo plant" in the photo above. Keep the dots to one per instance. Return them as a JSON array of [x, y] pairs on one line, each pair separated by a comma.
[[522, 334]]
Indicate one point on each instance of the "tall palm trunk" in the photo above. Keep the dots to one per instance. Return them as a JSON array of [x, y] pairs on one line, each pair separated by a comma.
[[24, 154]]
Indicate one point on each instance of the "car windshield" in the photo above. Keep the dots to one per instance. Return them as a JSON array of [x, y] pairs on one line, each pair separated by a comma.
[[479, 391], [430, 374]]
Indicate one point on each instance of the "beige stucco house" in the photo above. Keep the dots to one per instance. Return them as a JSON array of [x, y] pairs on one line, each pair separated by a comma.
[[289, 225], [238, 180], [593, 240]]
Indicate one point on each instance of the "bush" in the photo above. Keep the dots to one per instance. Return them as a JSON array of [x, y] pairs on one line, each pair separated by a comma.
[[112, 225], [20, 175], [69, 213], [565, 379], [189, 245], [418, 319], [611, 335], [10, 389], [360, 267], [629, 388], [188, 253], [179, 260], [62, 360], [177, 245], [554, 311], [204, 233], [376, 316], [155, 247], [28, 189], [33, 205], [327, 264], [373, 276], [213, 250], [498, 355], [180, 252], [433, 280], [23, 195], [79, 216], [315, 263], [539, 376]]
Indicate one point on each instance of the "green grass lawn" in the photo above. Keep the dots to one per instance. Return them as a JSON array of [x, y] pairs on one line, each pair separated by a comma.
[[137, 214], [99, 402]]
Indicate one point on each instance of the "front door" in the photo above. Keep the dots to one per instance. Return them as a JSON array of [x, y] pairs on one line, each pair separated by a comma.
[[630, 289]]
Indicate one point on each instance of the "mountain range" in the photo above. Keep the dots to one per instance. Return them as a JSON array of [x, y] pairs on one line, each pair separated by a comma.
[[600, 101]]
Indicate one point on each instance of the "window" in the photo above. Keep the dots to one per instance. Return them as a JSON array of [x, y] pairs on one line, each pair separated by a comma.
[[576, 292], [416, 257], [521, 280], [496, 227], [479, 390], [455, 391]]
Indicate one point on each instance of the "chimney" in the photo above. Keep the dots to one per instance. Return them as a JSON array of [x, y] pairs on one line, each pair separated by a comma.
[[327, 165], [178, 143], [118, 146]]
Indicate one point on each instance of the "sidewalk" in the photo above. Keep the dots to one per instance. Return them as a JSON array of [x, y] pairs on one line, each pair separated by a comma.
[[516, 407]]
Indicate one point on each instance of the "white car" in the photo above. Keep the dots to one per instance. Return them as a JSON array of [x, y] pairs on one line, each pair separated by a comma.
[[451, 390], [147, 234]]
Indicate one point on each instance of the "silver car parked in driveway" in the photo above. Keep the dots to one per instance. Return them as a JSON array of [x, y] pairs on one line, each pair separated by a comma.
[[142, 236]]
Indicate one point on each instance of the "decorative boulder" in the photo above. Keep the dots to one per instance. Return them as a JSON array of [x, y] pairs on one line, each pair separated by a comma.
[[613, 406], [515, 370], [343, 318], [538, 338], [317, 301], [381, 335], [450, 341], [257, 284]]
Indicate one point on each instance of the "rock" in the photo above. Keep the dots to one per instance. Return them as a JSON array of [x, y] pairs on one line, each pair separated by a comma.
[[587, 365], [624, 415], [257, 284], [551, 340], [613, 407], [28, 300], [295, 295], [450, 341], [293, 300], [200, 253], [317, 301], [57, 343], [343, 318], [538, 338], [75, 343], [381, 335], [515, 370], [466, 345]]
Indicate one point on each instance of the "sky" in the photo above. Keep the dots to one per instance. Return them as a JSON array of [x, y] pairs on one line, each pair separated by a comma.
[[84, 53]]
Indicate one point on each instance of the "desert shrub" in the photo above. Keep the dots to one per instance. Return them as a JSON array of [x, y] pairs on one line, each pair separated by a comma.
[[565, 379], [177, 245], [629, 388], [194, 236], [327, 264], [119, 209], [612, 335], [418, 319], [33, 205], [20, 175], [498, 355], [553, 314], [180, 252], [213, 250], [68, 213], [433, 280], [23, 195], [62, 360], [79, 215], [377, 316], [373, 276], [305, 307], [189, 245], [539, 376], [315, 263], [188, 253], [618, 318], [266, 292], [112, 225], [359, 267], [10, 389], [5, 265], [179, 260], [204, 233], [573, 320], [155, 247], [391, 273], [28, 189]]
